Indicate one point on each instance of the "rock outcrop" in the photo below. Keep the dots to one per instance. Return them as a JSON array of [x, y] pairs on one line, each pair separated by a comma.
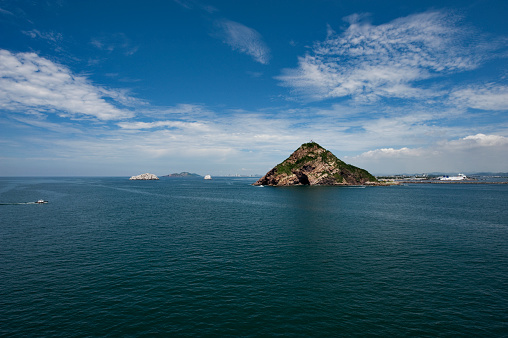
[[311, 164], [146, 176]]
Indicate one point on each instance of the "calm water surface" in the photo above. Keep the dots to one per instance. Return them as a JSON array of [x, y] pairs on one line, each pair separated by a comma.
[[189, 257]]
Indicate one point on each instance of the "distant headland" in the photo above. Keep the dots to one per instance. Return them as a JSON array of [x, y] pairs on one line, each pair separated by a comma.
[[312, 164], [183, 174]]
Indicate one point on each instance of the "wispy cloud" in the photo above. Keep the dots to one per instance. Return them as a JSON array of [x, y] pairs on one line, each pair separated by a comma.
[[368, 62], [115, 42], [50, 36], [42, 123], [243, 39], [194, 4], [6, 12], [485, 97], [180, 111], [239, 37], [188, 126], [28, 81]]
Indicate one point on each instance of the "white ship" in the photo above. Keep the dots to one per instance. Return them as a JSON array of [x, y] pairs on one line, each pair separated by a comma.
[[459, 177], [208, 177]]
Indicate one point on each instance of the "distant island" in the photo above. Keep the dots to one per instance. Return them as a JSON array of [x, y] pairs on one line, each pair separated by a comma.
[[145, 177], [312, 164], [182, 174]]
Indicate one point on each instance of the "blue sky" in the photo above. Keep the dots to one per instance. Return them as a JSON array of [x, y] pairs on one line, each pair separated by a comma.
[[119, 88]]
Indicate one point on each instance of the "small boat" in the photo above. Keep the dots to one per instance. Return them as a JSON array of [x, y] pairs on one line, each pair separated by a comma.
[[208, 177], [41, 202]]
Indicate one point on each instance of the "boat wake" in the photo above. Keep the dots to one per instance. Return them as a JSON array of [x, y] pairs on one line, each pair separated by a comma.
[[25, 203]]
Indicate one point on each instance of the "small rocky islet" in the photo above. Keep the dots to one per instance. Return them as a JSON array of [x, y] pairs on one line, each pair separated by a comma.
[[144, 177], [312, 164]]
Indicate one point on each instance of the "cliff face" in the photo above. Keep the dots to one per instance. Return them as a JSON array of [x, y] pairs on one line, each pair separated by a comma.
[[311, 164]]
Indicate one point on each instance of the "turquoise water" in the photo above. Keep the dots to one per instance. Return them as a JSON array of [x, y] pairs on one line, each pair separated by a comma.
[[189, 257]]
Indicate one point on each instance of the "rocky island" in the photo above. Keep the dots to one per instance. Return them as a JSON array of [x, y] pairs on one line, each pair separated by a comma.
[[146, 176], [311, 164], [182, 174]]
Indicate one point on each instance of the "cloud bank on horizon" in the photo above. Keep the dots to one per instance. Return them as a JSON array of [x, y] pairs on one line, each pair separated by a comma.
[[423, 92]]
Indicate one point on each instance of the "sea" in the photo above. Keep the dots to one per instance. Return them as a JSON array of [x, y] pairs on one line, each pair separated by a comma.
[[182, 257]]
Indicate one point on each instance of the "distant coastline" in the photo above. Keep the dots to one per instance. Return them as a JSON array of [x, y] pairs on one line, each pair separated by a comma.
[[435, 178], [450, 182]]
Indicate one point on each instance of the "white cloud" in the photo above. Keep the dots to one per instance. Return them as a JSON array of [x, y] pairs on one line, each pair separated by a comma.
[[189, 126], [367, 62], [480, 140], [486, 97], [244, 39], [473, 153], [387, 153], [28, 81]]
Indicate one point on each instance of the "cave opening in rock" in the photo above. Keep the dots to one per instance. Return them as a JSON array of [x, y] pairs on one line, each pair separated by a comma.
[[303, 179]]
